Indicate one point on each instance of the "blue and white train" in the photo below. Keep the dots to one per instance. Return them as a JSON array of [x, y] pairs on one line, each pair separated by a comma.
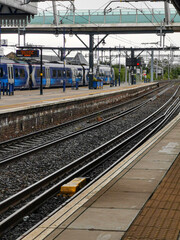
[[26, 74]]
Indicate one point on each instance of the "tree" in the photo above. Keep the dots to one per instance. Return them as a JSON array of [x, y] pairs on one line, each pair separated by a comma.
[[122, 73]]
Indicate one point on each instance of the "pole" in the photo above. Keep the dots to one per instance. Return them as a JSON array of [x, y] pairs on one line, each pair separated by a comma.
[[19, 37], [55, 13], [0, 35], [168, 67], [110, 60], [132, 68], [91, 60], [64, 54], [119, 68], [156, 69], [167, 13], [126, 70], [152, 65], [41, 75]]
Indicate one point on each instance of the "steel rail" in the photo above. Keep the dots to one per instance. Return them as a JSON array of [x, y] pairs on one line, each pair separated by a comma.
[[17, 216], [107, 170], [68, 136], [28, 191], [42, 183], [79, 119]]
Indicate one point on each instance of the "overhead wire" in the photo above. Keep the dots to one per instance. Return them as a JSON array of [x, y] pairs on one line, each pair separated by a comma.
[[124, 40], [62, 5]]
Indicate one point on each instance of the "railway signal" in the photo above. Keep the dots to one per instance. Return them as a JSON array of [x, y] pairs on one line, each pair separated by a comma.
[[133, 62]]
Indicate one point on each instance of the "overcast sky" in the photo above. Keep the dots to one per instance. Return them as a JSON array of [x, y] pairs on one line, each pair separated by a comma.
[[112, 40]]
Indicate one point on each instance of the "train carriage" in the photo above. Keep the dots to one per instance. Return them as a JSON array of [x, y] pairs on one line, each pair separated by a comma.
[[27, 75], [14, 72]]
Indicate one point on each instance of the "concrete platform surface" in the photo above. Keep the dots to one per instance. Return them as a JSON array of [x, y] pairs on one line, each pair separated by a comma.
[[25, 98], [135, 187]]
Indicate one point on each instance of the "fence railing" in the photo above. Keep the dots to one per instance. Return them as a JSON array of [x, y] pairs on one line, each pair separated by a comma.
[[108, 17]]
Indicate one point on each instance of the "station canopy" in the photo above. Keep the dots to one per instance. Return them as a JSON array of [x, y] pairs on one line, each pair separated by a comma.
[[176, 4], [16, 12], [27, 1]]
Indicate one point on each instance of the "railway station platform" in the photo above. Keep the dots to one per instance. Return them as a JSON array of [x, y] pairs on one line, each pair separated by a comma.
[[28, 111], [24, 99], [137, 199]]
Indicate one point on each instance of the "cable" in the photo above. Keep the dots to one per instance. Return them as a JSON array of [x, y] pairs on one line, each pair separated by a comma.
[[124, 40], [151, 12], [142, 13]]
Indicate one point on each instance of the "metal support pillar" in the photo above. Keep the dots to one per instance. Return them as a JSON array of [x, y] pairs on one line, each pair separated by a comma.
[[62, 54], [110, 62], [41, 74], [152, 66], [156, 68], [119, 69], [168, 67], [132, 68], [19, 38], [91, 60], [55, 13], [141, 73], [129, 75], [167, 13], [126, 72]]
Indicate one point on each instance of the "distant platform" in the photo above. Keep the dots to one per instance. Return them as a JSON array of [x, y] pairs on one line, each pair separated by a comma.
[[28, 98], [28, 111]]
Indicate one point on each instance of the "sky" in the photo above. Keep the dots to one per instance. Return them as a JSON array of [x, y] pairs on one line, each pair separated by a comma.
[[123, 40]]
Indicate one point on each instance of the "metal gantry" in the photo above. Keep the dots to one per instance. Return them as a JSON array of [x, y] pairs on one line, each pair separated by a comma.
[[92, 29], [91, 49]]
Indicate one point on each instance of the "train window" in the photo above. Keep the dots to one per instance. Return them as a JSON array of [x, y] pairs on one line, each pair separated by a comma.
[[68, 73], [79, 74], [12, 73], [16, 73], [54, 73], [1, 72], [38, 72], [59, 73], [22, 73]]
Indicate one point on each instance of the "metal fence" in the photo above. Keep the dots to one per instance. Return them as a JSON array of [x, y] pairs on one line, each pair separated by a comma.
[[109, 17]]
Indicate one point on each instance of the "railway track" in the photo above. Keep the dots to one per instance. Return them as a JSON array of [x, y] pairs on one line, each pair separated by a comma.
[[108, 154], [14, 149]]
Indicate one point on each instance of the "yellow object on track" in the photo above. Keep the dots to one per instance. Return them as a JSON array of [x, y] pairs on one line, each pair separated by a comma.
[[69, 189]]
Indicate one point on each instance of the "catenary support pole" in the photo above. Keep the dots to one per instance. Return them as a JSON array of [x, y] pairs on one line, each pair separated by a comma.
[[152, 66], [41, 75], [91, 60], [132, 68]]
